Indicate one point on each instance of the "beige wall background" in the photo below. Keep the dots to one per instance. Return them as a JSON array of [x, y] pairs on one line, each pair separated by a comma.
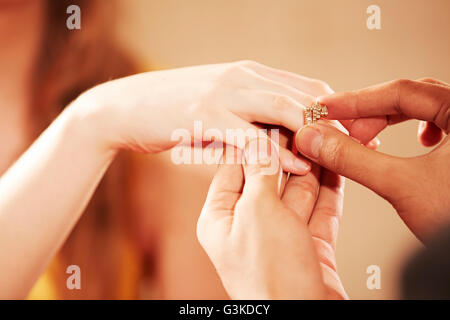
[[325, 39]]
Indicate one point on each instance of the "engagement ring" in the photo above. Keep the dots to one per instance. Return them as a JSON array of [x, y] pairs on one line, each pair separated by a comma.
[[314, 113]]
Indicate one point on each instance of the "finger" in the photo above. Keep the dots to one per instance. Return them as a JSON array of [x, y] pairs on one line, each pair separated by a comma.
[[429, 134], [434, 81], [414, 99], [242, 131], [366, 129], [259, 83], [347, 124], [270, 101], [324, 223], [227, 184], [368, 138], [366, 134], [343, 155], [285, 140], [216, 217], [273, 108], [294, 164], [290, 162], [373, 144], [300, 193], [261, 170], [307, 85]]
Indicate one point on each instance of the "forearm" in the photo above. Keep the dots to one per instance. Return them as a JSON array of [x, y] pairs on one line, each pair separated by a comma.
[[44, 193]]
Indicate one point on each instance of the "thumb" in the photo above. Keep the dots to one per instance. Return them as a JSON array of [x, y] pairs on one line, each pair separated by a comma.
[[261, 169], [343, 155], [217, 213]]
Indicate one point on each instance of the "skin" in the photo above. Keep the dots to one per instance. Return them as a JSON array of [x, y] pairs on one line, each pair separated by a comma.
[[422, 202], [99, 124], [267, 246], [46, 190], [270, 246], [37, 213]]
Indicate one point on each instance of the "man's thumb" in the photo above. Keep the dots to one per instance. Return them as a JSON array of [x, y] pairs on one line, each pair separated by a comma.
[[344, 155]]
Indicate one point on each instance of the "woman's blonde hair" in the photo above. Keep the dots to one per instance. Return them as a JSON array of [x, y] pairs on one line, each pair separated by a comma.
[[72, 61]]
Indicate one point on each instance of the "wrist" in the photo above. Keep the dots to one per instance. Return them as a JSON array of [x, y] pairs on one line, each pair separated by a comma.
[[89, 118]]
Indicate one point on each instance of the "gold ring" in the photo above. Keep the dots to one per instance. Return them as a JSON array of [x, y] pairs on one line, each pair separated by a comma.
[[314, 113]]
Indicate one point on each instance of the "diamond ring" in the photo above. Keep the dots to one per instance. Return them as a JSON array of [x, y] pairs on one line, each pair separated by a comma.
[[314, 113]]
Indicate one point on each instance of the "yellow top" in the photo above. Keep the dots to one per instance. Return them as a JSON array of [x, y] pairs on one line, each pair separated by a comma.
[[45, 289]]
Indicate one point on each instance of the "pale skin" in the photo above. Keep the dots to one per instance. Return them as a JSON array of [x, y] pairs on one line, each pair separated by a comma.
[[47, 189], [419, 187], [44, 193], [270, 246], [261, 243]]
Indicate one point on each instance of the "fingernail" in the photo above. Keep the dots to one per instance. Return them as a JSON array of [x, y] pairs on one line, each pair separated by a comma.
[[356, 140], [422, 125], [373, 144], [301, 166], [309, 141], [321, 98], [324, 99]]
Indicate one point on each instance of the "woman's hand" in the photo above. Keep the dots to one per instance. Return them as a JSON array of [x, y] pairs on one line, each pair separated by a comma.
[[269, 247], [142, 112], [417, 187], [45, 192]]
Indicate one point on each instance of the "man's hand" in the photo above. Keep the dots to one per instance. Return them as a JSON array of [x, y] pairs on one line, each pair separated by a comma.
[[418, 187]]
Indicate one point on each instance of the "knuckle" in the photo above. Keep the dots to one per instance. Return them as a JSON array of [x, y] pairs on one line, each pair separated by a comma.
[[310, 99], [402, 84], [280, 103], [401, 88], [306, 188], [230, 70], [335, 153], [326, 240], [232, 76], [445, 111], [321, 87], [330, 212], [247, 63], [427, 79]]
